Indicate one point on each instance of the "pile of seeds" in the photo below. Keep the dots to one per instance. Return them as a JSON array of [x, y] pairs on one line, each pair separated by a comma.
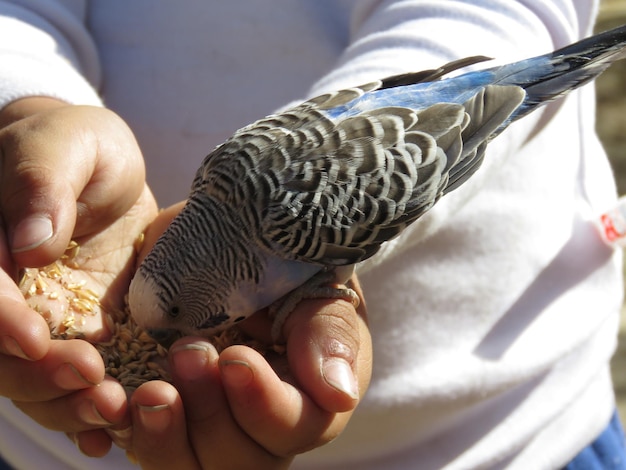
[[130, 355], [54, 283]]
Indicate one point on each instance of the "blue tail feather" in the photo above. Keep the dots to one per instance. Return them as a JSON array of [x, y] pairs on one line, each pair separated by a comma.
[[550, 76], [544, 78]]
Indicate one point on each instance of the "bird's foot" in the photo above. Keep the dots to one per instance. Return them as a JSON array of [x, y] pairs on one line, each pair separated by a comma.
[[320, 286]]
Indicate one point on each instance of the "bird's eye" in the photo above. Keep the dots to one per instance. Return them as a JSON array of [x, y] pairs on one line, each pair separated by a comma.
[[174, 311]]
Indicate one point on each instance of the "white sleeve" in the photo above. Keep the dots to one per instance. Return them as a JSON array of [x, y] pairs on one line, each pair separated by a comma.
[[47, 51], [391, 37]]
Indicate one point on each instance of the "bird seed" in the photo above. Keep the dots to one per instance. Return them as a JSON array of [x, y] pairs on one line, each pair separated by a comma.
[[130, 355]]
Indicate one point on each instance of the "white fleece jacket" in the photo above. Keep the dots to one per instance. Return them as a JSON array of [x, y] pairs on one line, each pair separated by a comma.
[[493, 317]]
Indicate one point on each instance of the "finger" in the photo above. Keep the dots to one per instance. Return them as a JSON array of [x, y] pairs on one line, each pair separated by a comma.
[[23, 332], [6, 260], [69, 365], [159, 434], [119, 177], [217, 438], [93, 408], [97, 442], [274, 413], [329, 351], [93, 443], [122, 433], [59, 165]]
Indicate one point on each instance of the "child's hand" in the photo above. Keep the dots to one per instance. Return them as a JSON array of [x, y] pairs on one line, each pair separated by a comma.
[[67, 172], [79, 167], [241, 410]]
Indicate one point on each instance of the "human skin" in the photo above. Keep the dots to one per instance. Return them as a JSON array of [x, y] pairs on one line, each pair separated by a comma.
[[81, 169]]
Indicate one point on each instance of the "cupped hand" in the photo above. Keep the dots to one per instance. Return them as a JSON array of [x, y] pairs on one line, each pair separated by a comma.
[[80, 169], [67, 172], [241, 409]]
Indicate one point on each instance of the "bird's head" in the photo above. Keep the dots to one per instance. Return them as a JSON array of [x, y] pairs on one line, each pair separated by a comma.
[[168, 311], [183, 284]]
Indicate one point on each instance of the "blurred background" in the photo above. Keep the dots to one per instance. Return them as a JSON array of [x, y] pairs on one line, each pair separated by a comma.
[[611, 127]]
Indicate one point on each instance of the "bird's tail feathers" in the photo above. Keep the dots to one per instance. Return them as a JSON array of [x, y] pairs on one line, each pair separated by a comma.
[[564, 69]]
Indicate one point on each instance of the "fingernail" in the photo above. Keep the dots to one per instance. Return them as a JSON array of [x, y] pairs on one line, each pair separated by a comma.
[[156, 418], [31, 233], [190, 359], [236, 373], [338, 374], [10, 346], [67, 377], [88, 412]]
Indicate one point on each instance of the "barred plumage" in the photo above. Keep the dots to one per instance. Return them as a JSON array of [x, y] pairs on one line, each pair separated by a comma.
[[326, 183]]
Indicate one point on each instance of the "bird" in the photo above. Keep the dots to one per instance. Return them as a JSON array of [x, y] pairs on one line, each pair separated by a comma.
[[288, 205]]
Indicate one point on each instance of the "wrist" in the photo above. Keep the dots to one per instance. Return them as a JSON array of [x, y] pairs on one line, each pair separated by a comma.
[[24, 107]]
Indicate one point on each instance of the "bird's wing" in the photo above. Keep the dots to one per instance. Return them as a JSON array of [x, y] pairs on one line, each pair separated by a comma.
[[331, 190]]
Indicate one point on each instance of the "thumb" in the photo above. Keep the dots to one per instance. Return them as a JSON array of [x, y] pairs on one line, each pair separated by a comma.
[[70, 171], [329, 351]]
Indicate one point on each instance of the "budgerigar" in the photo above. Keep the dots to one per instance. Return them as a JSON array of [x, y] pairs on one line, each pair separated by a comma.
[[299, 197]]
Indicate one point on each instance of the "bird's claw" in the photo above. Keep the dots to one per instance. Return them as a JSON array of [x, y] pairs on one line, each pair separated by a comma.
[[315, 288]]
